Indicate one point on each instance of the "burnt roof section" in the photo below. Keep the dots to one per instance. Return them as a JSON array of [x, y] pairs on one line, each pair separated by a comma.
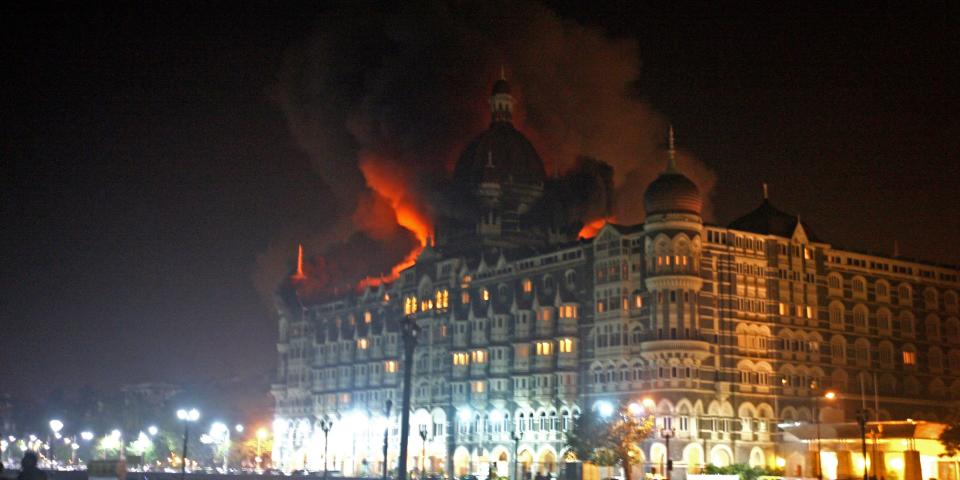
[[769, 220]]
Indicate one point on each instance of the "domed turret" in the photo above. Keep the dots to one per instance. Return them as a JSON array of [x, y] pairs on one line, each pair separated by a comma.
[[672, 191]]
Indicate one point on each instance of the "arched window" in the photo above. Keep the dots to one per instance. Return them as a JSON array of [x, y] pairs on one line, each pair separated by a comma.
[[950, 301], [883, 291], [862, 352], [836, 316], [835, 281], [860, 318], [885, 354], [930, 298], [952, 330], [838, 349], [884, 325], [935, 359], [932, 328], [905, 294], [907, 327], [859, 287]]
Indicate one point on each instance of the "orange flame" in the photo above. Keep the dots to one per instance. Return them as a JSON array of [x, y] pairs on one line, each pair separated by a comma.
[[392, 184], [299, 275], [592, 228]]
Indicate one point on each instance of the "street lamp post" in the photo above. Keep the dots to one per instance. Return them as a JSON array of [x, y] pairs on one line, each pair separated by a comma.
[[186, 416], [261, 435], [423, 449], [829, 395], [667, 434], [55, 426], [410, 333], [862, 421], [326, 424], [515, 435], [386, 435]]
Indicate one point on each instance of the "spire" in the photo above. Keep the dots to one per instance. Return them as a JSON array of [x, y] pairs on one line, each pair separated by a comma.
[[672, 161], [489, 158], [765, 193], [299, 275], [503, 73]]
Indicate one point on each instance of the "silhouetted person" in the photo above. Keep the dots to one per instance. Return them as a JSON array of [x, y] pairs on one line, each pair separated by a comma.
[[28, 468]]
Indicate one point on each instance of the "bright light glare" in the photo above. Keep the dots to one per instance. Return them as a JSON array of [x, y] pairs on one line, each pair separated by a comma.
[[279, 426], [56, 425], [635, 409], [604, 408], [464, 414], [261, 433], [649, 404], [86, 435], [152, 430], [238, 428], [496, 416], [191, 415], [830, 395], [781, 462]]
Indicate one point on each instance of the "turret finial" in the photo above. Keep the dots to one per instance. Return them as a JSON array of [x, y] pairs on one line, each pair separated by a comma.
[[765, 193], [503, 72], [672, 162], [489, 158]]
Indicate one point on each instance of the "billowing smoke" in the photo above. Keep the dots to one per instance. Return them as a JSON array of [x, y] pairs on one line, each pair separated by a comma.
[[384, 98]]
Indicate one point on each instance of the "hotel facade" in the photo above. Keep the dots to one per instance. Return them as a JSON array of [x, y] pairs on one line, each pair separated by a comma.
[[736, 332]]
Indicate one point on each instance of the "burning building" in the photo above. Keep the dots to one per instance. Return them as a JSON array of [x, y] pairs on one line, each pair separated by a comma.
[[731, 330]]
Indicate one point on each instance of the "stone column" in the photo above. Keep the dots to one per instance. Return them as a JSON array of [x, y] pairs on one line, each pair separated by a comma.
[[845, 464], [911, 465]]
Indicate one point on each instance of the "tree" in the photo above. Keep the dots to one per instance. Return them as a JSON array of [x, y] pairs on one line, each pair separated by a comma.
[[608, 441], [950, 436]]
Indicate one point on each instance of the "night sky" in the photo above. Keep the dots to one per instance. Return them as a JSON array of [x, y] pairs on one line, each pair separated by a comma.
[[147, 164]]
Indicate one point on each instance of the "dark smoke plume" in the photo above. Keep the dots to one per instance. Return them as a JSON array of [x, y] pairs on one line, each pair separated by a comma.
[[384, 98]]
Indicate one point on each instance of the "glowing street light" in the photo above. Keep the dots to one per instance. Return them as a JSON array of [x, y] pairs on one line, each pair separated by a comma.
[[55, 426], [152, 430], [604, 408], [186, 416], [238, 428], [86, 435]]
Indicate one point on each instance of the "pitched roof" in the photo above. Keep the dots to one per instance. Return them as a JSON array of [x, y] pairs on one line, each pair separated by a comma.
[[769, 220]]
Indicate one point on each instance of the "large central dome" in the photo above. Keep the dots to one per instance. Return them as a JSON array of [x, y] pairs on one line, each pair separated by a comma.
[[502, 155]]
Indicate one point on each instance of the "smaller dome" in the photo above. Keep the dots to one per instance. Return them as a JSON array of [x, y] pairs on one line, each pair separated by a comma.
[[672, 192], [501, 86]]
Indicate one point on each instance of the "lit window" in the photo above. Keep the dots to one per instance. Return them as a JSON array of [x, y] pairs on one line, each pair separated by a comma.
[[390, 366], [464, 297], [527, 285], [809, 312], [479, 356], [909, 358], [566, 345], [367, 317], [600, 306], [461, 358], [546, 314], [637, 301], [544, 348], [362, 344], [409, 306], [485, 294], [800, 311], [783, 308], [478, 386]]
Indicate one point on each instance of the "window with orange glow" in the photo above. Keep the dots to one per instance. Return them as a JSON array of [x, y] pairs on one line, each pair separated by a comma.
[[527, 285], [390, 366], [566, 345], [409, 306], [479, 356], [909, 358], [485, 295], [638, 301], [478, 386], [464, 297], [461, 358], [367, 317], [362, 344], [544, 348]]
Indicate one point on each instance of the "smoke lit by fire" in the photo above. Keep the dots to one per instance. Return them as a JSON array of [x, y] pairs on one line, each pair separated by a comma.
[[384, 101]]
